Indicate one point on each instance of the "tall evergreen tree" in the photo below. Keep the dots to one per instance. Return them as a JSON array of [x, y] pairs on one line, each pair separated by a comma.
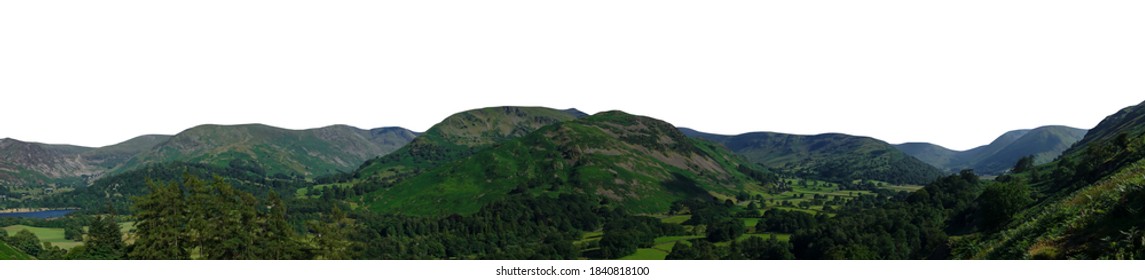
[[162, 224], [332, 237], [230, 214], [105, 240], [276, 239]]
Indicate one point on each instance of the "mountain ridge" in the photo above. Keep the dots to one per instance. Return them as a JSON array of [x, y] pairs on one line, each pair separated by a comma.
[[31, 163], [1045, 143], [830, 156]]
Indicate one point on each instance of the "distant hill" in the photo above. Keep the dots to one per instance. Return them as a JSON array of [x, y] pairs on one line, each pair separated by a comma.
[[1045, 143], [640, 163], [832, 157], [312, 152]]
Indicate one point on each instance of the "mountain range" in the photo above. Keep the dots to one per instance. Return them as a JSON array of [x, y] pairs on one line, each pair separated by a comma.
[[1081, 197], [1044, 143], [339, 148], [312, 152]]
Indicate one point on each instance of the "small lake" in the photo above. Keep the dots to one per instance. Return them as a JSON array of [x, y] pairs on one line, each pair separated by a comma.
[[38, 214]]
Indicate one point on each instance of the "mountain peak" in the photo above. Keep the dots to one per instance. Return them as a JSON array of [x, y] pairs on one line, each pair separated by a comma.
[[575, 113]]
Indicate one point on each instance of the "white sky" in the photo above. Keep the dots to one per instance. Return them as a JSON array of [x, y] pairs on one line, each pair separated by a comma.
[[954, 73]]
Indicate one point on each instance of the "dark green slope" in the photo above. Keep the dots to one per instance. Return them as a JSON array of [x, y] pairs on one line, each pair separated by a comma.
[[1045, 143], [833, 157], [1090, 202], [9, 253], [460, 135], [1130, 121], [640, 163], [312, 152]]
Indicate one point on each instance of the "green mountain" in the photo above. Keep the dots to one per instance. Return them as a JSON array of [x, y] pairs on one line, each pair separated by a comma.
[[638, 162], [831, 157], [1090, 203], [460, 135], [1044, 143], [312, 152]]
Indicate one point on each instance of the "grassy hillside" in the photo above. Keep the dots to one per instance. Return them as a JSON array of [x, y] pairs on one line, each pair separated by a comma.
[[641, 163], [312, 152], [833, 157], [9, 253], [1089, 203]]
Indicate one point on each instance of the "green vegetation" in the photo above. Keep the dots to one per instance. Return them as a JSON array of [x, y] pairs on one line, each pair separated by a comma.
[[220, 222], [117, 190], [458, 136], [1086, 205], [641, 163], [9, 253], [646, 254]]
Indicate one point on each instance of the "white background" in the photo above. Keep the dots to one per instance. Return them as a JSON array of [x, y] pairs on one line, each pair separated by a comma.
[[956, 73]]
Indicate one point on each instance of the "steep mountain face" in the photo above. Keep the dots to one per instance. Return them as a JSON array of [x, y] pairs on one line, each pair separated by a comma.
[[1130, 121], [24, 163], [641, 163], [1044, 143], [1090, 201], [312, 152], [833, 157], [462, 134]]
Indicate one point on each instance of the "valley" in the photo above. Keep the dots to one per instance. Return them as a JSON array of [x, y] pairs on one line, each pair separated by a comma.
[[539, 183]]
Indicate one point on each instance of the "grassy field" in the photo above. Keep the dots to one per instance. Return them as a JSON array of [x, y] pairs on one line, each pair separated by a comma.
[[677, 219], [53, 235], [647, 254], [750, 222], [673, 239], [56, 235], [909, 188]]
